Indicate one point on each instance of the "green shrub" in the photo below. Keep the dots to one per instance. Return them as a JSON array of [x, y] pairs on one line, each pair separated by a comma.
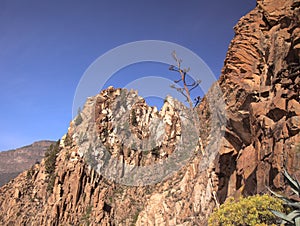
[[50, 160], [253, 210], [68, 140]]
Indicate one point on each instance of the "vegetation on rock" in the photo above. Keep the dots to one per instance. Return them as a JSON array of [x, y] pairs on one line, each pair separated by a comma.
[[68, 140], [293, 218], [187, 88], [252, 210], [50, 159]]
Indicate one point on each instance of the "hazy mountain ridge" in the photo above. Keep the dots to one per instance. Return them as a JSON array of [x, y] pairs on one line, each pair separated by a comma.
[[13, 162]]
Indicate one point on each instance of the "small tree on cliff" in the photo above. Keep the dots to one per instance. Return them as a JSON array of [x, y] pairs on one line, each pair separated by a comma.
[[187, 87], [186, 92], [50, 160]]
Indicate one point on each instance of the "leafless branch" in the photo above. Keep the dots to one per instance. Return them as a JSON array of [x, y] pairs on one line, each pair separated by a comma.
[[187, 88]]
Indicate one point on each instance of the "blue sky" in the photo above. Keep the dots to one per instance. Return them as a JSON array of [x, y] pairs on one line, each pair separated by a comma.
[[46, 46]]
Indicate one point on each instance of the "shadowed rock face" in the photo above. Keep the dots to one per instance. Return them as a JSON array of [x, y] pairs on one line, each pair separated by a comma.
[[260, 84], [14, 162]]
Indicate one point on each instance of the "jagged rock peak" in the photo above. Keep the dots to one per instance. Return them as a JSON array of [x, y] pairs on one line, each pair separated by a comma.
[[119, 158], [126, 133]]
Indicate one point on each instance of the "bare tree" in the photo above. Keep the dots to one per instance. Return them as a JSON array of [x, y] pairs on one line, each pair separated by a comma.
[[187, 88], [186, 92]]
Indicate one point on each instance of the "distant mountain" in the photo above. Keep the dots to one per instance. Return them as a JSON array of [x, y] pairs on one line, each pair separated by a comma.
[[13, 162]]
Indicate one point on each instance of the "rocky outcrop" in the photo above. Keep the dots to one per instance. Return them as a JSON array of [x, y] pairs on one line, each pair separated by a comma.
[[113, 169], [13, 162], [100, 169], [261, 85]]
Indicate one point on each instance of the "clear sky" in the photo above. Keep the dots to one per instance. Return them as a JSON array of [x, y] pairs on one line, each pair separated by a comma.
[[46, 46]]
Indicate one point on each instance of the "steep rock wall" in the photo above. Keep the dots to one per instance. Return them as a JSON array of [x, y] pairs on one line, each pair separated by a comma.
[[261, 85]]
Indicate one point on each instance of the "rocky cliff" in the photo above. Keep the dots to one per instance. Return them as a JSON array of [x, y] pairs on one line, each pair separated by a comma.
[[127, 188], [13, 162], [107, 168], [261, 85]]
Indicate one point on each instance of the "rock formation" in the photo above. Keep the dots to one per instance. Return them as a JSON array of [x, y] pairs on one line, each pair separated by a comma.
[[261, 85], [260, 89], [81, 194]]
